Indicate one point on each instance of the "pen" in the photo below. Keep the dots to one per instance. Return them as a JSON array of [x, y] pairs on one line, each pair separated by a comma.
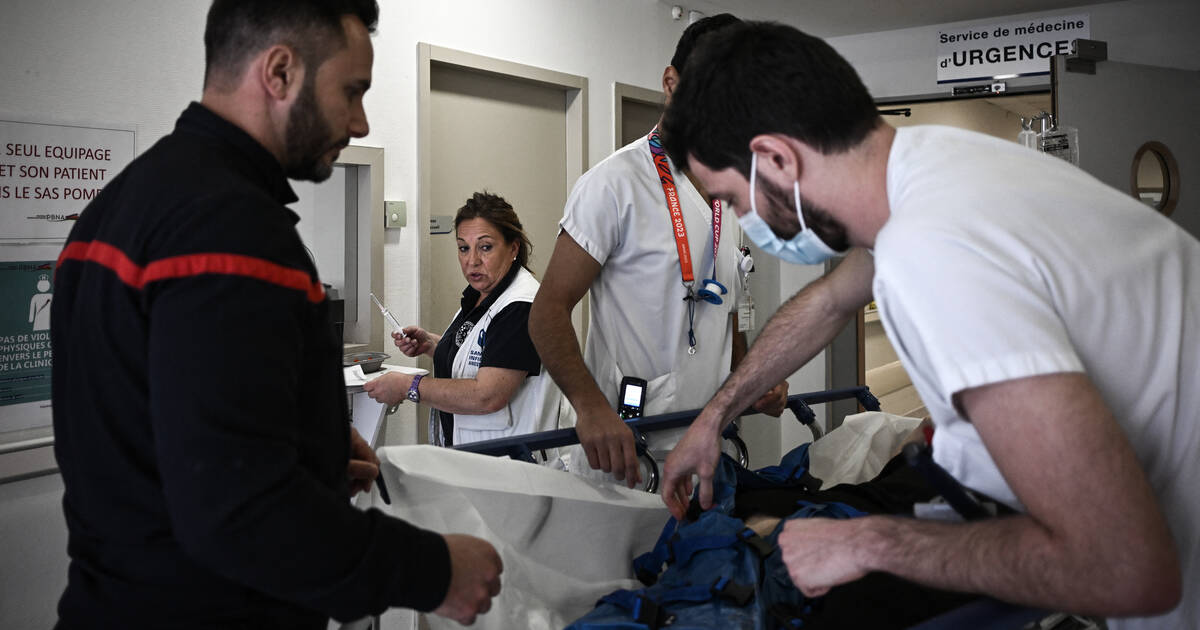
[[383, 493]]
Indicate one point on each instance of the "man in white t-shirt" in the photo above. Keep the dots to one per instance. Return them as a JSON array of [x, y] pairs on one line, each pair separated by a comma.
[[618, 240], [1050, 323]]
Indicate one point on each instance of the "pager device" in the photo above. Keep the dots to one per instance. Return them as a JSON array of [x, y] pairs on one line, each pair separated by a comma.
[[633, 397]]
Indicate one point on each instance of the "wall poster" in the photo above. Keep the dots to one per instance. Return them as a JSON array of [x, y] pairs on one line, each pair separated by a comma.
[[49, 173], [26, 292]]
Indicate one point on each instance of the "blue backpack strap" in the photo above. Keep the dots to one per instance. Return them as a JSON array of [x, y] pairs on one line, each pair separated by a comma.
[[682, 549], [723, 587], [692, 594], [642, 609], [787, 616], [739, 594], [760, 545], [649, 565]]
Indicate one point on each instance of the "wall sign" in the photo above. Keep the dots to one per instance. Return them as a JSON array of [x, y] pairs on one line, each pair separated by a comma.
[[26, 292], [48, 173], [1007, 50]]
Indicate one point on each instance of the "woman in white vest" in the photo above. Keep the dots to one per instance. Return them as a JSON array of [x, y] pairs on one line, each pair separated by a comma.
[[488, 381]]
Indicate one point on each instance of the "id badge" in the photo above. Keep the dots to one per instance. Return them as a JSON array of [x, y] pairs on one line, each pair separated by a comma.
[[745, 310]]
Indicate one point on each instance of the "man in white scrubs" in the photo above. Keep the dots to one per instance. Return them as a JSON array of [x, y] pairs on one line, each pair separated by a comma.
[[1051, 324], [619, 239]]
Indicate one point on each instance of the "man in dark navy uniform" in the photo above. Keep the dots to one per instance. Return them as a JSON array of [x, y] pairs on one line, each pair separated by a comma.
[[199, 410]]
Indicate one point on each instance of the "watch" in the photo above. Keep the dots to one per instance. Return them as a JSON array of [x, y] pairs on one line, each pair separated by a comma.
[[414, 395]]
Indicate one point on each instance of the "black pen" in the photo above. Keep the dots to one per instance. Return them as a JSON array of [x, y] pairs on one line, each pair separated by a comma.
[[383, 493]]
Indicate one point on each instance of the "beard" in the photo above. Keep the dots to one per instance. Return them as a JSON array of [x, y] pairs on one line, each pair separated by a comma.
[[782, 209], [308, 135]]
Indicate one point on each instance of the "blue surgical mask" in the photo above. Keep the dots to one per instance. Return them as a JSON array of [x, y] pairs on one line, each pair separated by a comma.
[[805, 248]]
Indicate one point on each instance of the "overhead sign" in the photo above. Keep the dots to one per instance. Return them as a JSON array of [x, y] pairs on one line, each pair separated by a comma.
[[1013, 49], [49, 173]]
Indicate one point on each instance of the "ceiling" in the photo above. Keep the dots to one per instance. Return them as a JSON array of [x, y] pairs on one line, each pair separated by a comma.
[[833, 18]]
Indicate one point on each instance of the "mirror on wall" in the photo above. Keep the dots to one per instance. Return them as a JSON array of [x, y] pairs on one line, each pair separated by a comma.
[[1154, 178]]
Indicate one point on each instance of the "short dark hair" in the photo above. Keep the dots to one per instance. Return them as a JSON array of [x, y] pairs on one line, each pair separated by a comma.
[[763, 77], [687, 41], [495, 210], [239, 29]]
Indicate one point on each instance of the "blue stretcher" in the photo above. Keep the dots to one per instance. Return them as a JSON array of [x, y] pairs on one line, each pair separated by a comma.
[[982, 614]]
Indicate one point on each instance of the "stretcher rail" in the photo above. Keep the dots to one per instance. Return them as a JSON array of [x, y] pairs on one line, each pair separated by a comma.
[[524, 446]]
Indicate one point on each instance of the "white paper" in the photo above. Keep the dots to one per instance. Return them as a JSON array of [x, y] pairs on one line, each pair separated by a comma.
[[355, 377], [366, 416]]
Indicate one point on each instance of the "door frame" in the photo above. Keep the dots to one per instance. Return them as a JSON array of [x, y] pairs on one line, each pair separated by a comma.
[[622, 92], [367, 220], [429, 57]]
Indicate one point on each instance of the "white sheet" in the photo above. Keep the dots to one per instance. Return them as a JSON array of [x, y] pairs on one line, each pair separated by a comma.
[[565, 541], [858, 449]]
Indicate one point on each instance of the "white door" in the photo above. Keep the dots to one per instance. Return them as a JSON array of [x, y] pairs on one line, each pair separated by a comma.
[[512, 130], [1123, 106], [504, 136]]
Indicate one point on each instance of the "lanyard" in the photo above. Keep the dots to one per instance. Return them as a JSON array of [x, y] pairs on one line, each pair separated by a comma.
[[679, 230]]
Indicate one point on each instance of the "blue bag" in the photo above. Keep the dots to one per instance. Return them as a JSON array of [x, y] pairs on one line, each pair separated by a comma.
[[719, 573]]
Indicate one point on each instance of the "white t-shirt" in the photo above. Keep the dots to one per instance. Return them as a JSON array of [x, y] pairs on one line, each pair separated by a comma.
[[638, 324], [999, 263]]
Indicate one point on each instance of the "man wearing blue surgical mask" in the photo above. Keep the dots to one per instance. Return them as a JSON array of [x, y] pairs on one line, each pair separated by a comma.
[[1056, 354], [807, 247]]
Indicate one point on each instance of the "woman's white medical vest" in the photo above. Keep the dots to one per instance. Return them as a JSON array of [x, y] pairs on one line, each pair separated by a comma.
[[537, 405]]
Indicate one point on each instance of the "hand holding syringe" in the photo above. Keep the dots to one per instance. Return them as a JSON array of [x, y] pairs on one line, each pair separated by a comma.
[[388, 317], [413, 340]]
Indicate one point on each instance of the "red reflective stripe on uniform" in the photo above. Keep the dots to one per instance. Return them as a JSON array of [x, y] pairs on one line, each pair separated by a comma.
[[107, 256], [234, 265], [192, 265]]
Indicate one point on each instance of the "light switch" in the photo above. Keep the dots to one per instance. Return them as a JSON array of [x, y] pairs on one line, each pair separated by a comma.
[[395, 214]]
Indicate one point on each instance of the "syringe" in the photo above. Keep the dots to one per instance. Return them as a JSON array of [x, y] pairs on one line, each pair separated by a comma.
[[387, 316]]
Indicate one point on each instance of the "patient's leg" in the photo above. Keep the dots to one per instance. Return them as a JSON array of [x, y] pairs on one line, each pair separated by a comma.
[[762, 524]]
